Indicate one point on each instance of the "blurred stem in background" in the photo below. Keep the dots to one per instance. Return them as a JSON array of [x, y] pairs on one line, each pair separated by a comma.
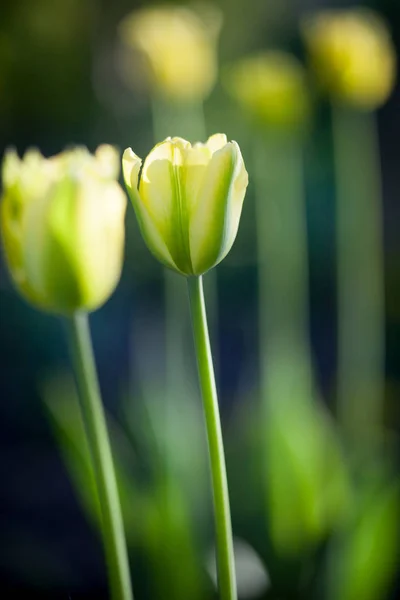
[[224, 541], [341, 45], [360, 275], [285, 360], [100, 448]]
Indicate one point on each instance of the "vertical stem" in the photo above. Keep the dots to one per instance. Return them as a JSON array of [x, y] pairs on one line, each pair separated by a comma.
[[224, 542], [285, 357], [99, 443], [184, 120], [360, 275]]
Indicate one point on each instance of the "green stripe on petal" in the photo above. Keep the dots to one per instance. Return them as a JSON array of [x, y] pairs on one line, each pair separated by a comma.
[[50, 270], [163, 196]]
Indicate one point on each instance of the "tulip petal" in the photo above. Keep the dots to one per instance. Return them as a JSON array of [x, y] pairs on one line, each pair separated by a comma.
[[99, 243], [163, 195], [216, 142], [50, 268], [131, 164], [214, 219]]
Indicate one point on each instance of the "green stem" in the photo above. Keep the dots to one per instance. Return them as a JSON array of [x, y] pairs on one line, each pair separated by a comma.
[[360, 275], [285, 357], [173, 119], [100, 448], [224, 542]]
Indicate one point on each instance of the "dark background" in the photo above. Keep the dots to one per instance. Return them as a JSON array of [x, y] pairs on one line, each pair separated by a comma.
[[60, 85]]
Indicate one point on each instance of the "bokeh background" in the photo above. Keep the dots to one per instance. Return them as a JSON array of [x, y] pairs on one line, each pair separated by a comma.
[[63, 81]]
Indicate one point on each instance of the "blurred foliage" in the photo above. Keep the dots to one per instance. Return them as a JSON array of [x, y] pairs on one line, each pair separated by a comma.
[[365, 552], [319, 524]]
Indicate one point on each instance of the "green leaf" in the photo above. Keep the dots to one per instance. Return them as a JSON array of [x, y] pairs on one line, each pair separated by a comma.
[[364, 556], [60, 400]]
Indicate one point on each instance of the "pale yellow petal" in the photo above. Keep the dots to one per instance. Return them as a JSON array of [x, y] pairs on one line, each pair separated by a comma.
[[216, 142], [162, 192], [99, 242], [131, 164], [215, 218]]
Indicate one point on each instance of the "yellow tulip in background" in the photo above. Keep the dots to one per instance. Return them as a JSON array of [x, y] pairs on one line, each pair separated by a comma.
[[188, 201], [62, 225], [353, 56], [271, 87], [354, 62], [179, 45]]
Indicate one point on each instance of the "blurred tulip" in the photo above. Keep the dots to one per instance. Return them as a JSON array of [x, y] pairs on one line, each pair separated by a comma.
[[189, 200], [180, 47], [271, 87], [62, 223], [353, 56]]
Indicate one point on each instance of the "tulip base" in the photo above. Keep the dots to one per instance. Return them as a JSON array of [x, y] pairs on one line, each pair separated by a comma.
[[224, 542]]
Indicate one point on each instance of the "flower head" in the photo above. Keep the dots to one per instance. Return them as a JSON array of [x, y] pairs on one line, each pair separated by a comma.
[[271, 87], [353, 56], [180, 47], [62, 222], [188, 201]]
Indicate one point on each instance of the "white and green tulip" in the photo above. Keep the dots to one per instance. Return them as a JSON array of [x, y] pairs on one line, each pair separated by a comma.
[[188, 200], [62, 222]]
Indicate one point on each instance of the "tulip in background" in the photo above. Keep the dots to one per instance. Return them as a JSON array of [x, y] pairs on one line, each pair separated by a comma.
[[179, 45], [271, 88], [354, 62], [63, 230], [353, 56], [188, 203]]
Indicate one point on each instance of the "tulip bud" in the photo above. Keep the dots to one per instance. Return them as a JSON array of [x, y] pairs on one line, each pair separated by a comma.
[[353, 56], [188, 201], [180, 47], [271, 88], [62, 222]]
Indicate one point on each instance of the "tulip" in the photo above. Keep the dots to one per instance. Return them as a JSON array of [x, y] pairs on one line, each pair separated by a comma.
[[62, 222], [353, 56], [188, 200], [271, 87], [354, 60], [179, 45]]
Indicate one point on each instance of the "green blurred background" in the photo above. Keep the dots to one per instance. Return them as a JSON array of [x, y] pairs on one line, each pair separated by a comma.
[[61, 83]]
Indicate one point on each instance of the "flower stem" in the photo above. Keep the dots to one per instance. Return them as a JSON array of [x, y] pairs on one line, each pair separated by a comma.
[[360, 276], [96, 429], [282, 254], [224, 542]]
